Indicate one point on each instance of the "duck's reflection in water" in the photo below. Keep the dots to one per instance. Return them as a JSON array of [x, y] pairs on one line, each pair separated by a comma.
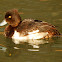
[[34, 43], [13, 49], [3, 48]]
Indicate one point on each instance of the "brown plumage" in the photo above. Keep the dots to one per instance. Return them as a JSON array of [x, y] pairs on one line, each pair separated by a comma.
[[27, 25]]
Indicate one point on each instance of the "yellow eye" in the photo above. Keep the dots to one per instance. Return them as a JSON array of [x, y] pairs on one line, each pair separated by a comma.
[[9, 17]]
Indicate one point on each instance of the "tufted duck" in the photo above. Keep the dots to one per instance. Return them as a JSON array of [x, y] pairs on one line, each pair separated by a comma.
[[28, 28]]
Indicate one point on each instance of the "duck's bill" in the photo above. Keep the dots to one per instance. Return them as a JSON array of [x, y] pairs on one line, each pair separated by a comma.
[[3, 23]]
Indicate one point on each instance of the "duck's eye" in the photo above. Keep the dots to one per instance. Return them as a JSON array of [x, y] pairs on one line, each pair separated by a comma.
[[9, 17]]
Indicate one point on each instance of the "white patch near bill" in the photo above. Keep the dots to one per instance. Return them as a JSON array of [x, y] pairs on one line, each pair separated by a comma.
[[32, 35], [3, 23]]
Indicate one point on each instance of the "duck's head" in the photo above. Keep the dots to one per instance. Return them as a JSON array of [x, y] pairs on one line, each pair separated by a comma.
[[12, 17]]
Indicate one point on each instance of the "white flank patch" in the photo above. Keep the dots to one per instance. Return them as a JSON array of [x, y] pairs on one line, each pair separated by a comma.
[[33, 32], [17, 36], [32, 35]]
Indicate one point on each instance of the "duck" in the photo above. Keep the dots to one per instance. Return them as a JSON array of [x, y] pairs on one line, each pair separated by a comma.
[[28, 28]]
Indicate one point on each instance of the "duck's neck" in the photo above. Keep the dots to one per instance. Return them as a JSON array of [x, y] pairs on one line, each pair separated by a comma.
[[18, 25]]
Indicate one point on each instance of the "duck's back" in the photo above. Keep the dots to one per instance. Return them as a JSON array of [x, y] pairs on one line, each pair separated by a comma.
[[30, 26]]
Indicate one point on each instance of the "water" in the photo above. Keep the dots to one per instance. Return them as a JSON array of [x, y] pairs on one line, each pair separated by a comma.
[[48, 50]]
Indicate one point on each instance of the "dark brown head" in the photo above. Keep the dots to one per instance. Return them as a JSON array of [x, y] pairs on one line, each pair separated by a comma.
[[12, 17]]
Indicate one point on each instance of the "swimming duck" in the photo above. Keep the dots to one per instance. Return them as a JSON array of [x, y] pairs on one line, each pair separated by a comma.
[[28, 28]]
